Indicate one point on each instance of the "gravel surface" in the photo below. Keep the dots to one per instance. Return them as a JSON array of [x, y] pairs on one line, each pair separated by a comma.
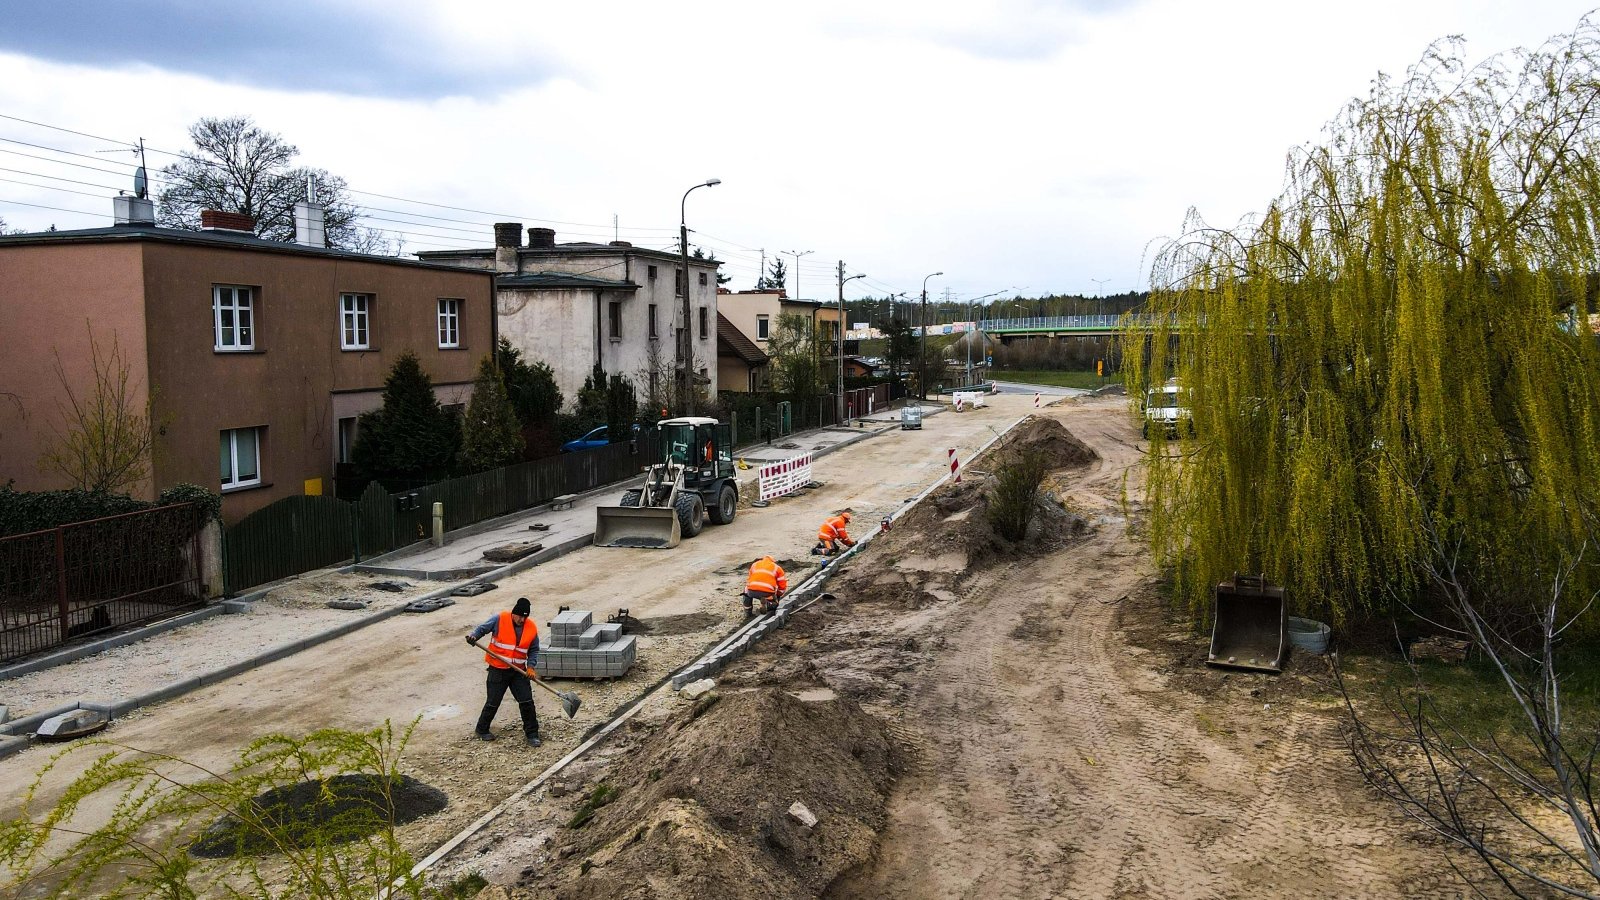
[[294, 611]]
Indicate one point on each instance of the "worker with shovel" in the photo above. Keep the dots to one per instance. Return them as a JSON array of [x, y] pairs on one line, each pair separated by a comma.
[[832, 537], [513, 646], [766, 584]]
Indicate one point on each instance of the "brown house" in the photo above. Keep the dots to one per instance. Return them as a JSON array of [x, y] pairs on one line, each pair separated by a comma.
[[257, 356]]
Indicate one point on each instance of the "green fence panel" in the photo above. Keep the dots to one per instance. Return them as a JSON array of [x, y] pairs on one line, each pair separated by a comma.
[[292, 535]]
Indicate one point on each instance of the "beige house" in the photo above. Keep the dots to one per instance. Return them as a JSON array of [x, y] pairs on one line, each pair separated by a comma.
[[756, 314], [579, 305]]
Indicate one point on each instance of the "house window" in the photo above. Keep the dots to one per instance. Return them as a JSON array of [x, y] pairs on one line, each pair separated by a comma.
[[449, 324], [702, 279], [233, 317], [353, 321], [703, 322], [678, 282], [347, 439], [615, 309], [652, 273], [241, 457], [653, 334], [763, 328]]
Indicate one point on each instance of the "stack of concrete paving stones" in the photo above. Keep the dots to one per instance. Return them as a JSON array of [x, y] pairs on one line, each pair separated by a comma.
[[577, 648]]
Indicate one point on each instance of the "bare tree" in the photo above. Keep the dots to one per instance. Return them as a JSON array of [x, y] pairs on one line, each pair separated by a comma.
[[236, 166], [1499, 795], [108, 438]]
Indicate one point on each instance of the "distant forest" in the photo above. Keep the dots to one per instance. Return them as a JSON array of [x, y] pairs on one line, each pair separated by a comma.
[[878, 310]]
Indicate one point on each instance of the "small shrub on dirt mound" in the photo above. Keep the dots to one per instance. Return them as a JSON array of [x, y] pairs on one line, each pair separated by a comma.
[[701, 808], [334, 810], [1016, 492]]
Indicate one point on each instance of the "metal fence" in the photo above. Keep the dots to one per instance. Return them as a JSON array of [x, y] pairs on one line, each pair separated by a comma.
[[298, 534], [89, 577]]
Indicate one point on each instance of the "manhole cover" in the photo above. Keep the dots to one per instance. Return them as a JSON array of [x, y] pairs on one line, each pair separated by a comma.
[[424, 606], [473, 590], [335, 810]]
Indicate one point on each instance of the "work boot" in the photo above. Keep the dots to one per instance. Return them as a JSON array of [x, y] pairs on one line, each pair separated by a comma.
[[533, 741], [484, 735]]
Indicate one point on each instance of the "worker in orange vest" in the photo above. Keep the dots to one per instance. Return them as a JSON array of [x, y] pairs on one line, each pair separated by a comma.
[[516, 638], [767, 583], [832, 534]]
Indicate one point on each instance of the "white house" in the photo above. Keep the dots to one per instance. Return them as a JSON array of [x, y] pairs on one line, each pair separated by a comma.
[[573, 306]]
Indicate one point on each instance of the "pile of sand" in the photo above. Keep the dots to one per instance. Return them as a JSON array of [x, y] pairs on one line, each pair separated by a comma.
[[702, 808]]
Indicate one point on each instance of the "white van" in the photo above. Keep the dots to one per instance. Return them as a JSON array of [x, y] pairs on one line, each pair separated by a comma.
[[1164, 408]]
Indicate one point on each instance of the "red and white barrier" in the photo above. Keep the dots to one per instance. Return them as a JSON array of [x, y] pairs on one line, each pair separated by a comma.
[[785, 477], [960, 404], [1035, 399], [955, 466]]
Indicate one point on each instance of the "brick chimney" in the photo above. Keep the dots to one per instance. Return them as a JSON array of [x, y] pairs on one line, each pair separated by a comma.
[[216, 220], [541, 238], [507, 241]]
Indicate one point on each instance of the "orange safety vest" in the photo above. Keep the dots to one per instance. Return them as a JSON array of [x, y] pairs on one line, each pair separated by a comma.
[[767, 577], [833, 529], [506, 643]]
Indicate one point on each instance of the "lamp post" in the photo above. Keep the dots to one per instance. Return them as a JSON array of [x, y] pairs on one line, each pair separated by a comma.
[[685, 336], [971, 317], [840, 323], [922, 363], [797, 254], [1100, 284]]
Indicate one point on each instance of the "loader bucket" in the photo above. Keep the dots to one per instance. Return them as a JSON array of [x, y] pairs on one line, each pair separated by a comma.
[[1249, 626], [653, 527]]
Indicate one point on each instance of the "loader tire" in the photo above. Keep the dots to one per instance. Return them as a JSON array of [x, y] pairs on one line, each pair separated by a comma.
[[630, 498], [691, 514], [727, 505]]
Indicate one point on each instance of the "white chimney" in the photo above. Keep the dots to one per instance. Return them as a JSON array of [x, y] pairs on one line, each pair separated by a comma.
[[308, 225], [130, 210]]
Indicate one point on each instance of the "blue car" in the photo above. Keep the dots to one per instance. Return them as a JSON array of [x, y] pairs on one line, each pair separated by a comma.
[[595, 438]]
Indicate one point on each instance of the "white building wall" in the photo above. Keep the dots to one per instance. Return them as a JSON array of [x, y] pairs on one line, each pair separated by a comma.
[[554, 326]]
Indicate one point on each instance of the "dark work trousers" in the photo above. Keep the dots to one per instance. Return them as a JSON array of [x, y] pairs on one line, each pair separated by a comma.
[[521, 690]]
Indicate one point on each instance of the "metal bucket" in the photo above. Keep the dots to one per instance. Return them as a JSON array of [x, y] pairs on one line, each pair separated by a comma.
[[1249, 626], [650, 527]]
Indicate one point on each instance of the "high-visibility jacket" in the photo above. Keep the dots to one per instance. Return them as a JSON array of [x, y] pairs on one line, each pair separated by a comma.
[[506, 643], [767, 577], [833, 529]]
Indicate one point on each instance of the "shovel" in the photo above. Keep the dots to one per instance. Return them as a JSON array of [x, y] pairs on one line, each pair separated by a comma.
[[569, 701]]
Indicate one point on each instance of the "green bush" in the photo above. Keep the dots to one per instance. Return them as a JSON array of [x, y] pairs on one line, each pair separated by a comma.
[[25, 511], [1016, 489]]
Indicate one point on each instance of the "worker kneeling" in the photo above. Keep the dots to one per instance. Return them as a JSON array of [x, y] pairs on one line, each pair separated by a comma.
[[832, 537], [516, 638], [766, 585]]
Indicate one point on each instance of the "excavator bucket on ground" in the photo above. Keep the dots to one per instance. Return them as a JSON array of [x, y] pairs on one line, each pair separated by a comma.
[[1249, 625], [652, 527]]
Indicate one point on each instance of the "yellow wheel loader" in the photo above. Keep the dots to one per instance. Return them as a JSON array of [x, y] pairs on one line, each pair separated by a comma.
[[693, 482]]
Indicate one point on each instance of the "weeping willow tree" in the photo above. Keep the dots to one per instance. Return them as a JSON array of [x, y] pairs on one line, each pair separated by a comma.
[[1393, 367]]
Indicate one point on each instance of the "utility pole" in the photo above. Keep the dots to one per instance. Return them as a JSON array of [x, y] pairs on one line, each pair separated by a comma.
[[686, 389], [840, 324]]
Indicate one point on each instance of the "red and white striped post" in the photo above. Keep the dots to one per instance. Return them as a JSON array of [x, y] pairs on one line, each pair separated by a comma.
[[959, 404], [1035, 399], [955, 466]]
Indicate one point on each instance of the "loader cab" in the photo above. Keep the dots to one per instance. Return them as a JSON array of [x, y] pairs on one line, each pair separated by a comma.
[[703, 446]]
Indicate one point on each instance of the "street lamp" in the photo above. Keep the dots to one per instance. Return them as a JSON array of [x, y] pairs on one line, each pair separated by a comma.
[[922, 364], [685, 343], [971, 316], [1100, 284], [840, 323], [797, 254]]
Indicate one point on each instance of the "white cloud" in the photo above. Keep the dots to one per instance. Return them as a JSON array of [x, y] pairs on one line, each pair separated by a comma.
[[1024, 143]]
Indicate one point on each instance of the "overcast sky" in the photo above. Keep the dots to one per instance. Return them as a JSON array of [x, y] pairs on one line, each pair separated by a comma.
[[1042, 146]]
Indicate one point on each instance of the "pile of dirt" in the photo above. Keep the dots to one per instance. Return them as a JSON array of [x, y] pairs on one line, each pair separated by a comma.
[[702, 808], [333, 810], [1048, 439]]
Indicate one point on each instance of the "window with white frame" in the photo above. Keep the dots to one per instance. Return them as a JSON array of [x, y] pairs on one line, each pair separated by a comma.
[[241, 457], [449, 324], [354, 330], [233, 317], [763, 328]]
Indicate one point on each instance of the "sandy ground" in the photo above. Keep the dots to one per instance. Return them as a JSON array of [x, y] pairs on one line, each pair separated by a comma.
[[418, 666], [1055, 735], [292, 611]]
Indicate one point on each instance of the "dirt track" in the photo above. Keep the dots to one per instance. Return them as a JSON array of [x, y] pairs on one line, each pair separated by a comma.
[[1054, 758]]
